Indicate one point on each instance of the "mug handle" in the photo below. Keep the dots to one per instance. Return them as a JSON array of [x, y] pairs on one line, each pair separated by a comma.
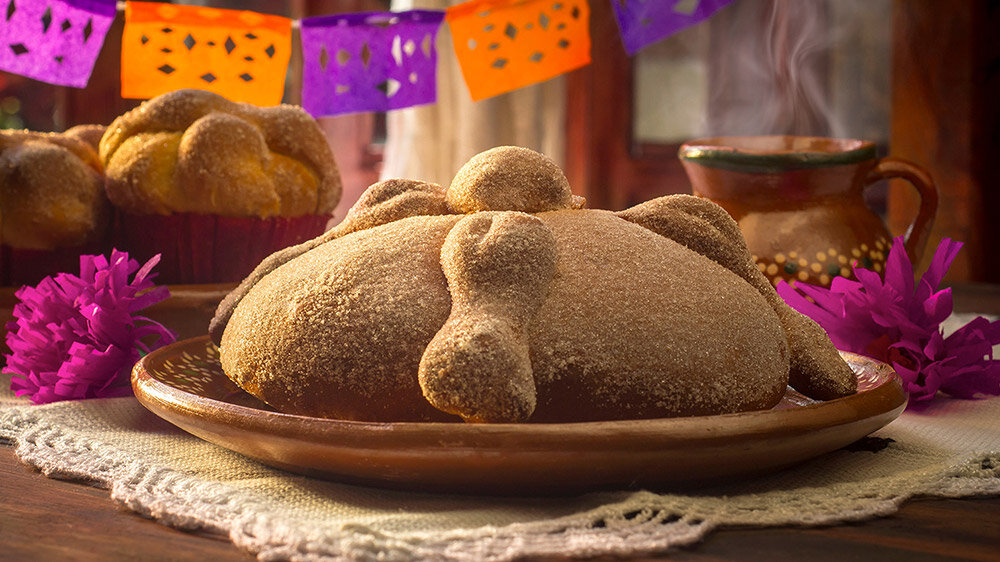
[[919, 230]]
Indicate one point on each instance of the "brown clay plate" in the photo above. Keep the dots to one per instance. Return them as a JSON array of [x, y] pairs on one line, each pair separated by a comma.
[[184, 384]]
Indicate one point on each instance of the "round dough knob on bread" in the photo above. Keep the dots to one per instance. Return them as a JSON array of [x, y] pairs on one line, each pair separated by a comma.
[[511, 178]]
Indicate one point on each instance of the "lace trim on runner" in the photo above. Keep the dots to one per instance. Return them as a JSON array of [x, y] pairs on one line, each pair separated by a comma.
[[643, 523]]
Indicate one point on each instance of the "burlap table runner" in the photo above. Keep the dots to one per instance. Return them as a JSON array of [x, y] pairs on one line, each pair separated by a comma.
[[951, 449]]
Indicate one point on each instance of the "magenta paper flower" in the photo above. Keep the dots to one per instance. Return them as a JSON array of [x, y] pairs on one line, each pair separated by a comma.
[[78, 337], [899, 322]]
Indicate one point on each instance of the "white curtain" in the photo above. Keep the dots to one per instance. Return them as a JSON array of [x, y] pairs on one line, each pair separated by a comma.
[[431, 142]]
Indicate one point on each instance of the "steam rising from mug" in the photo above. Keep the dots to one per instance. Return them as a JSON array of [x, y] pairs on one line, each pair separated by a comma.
[[793, 67]]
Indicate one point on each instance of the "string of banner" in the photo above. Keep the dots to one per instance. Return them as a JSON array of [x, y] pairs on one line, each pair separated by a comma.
[[355, 62]]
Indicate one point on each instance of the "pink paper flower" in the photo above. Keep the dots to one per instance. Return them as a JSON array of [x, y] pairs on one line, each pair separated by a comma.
[[78, 337], [899, 322]]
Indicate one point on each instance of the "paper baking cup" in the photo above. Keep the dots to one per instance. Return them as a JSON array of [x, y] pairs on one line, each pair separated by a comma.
[[199, 248], [19, 266]]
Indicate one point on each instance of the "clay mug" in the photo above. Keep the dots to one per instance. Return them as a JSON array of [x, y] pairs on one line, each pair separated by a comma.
[[799, 201]]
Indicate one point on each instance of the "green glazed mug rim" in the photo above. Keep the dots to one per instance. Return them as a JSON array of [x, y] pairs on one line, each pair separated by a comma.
[[775, 153]]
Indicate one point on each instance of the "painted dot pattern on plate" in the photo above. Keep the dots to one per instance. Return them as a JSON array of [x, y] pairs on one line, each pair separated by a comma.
[[195, 370]]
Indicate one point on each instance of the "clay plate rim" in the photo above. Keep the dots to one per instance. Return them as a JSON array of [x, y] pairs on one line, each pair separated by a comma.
[[521, 458]]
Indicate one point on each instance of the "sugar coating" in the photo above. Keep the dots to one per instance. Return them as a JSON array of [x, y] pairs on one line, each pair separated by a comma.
[[510, 178], [383, 202], [51, 190], [393, 199], [339, 331], [658, 329], [405, 312], [498, 266], [88, 133], [816, 368], [194, 151]]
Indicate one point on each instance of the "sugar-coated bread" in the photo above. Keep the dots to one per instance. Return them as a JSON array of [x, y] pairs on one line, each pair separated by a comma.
[[192, 151], [341, 331], [518, 305], [90, 134], [51, 191]]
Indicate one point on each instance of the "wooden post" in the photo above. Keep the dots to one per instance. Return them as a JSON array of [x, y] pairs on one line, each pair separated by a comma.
[[100, 101], [946, 118]]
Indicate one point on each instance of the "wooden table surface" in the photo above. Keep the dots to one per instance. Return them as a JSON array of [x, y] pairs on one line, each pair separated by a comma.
[[44, 519]]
